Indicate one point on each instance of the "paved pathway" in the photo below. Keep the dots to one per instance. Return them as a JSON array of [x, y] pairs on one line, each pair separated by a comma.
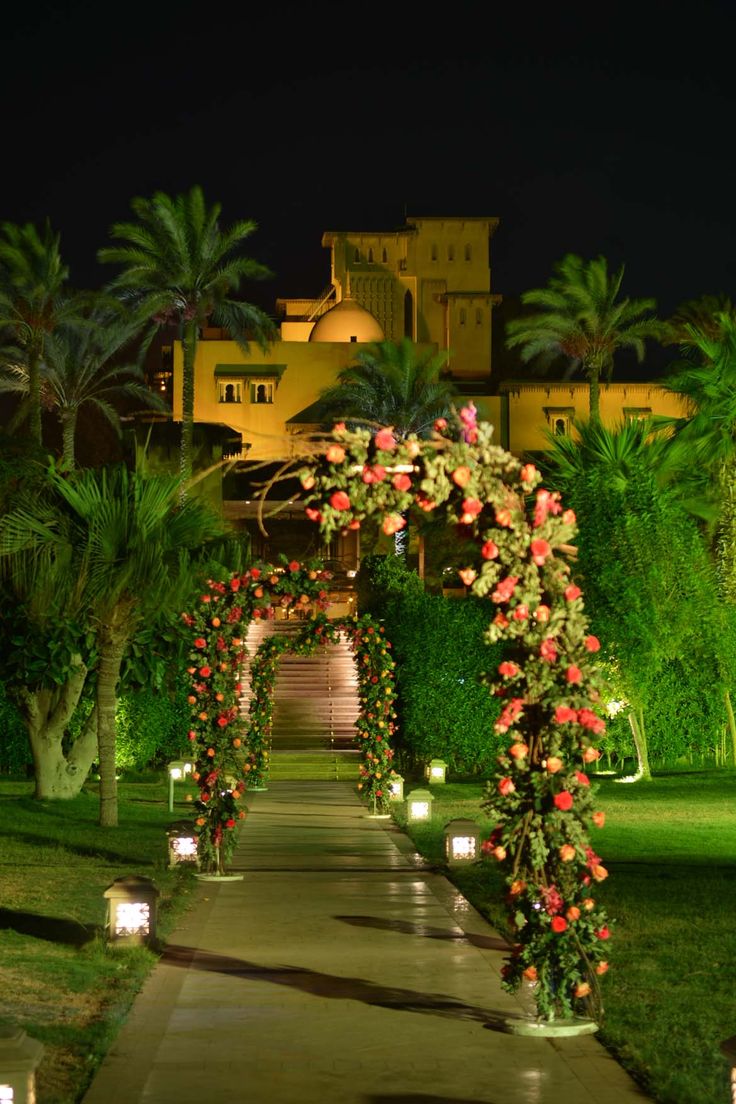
[[338, 971]]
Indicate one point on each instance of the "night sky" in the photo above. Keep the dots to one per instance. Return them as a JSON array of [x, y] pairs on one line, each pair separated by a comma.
[[590, 129]]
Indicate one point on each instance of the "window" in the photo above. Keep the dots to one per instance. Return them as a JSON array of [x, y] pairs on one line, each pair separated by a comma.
[[559, 419], [468, 253], [384, 257], [356, 256], [463, 315], [479, 316], [261, 391], [451, 252], [434, 252], [370, 256], [637, 413], [230, 392]]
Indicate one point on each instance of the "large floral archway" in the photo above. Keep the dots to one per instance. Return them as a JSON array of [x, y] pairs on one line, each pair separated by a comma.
[[540, 797]]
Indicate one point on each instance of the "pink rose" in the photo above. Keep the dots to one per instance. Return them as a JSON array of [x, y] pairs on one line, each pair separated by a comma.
[[506, 786], [385, 440], [548, 650]]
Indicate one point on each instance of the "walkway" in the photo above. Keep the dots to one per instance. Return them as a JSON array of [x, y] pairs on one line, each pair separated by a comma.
[[339, 971]]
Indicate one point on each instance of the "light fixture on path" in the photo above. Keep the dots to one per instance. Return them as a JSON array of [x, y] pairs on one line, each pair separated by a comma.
[[396, 788], [19, 1058], [182, 844], [177, 769], [419, 805], [437, 771], [462, 842], [132, 906]]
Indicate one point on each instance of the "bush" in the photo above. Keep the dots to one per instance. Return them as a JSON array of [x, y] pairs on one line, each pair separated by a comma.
[[151, 728], [444, 709], [15, 751]]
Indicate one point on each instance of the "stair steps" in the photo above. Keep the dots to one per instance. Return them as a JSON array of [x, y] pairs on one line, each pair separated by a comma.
[[315, 708]]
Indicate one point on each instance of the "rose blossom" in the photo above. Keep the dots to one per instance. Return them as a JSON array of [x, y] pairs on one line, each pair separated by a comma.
[[548, 650], [582, 778], [558, 923], [602, 933], [392, 523], [573, 913], [489, 551], [506, 786], [572, 592], [530, 973], [335, 454], [554, 764], [582, 989], [563, 800], [519, 751], [541, 613], [508, 669], [468, 575], [540, 549], [385, 440], [564, 714], [567, 852], [339, 501], [599, 819], [574, 675], [461, 476], [401, 482]]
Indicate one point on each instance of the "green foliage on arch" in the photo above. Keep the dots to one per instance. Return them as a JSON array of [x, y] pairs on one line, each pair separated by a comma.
[[375, 670]]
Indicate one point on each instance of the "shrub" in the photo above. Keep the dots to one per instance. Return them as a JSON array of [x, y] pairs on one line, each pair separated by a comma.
[[151, 728], [15, 751]]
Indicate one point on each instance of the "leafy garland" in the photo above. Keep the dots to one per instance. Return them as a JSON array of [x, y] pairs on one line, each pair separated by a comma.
[[539, 797], [224, 765], [375, 668]]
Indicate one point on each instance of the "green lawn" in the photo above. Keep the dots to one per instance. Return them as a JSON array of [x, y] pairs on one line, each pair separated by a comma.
[[58, 978], [670, 848]]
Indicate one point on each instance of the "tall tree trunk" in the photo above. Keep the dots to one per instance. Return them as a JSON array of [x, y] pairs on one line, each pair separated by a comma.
[[636, 723], [594, 394], [189, 349], [34, 394], [47, 713], [68, 433], [112, 640]]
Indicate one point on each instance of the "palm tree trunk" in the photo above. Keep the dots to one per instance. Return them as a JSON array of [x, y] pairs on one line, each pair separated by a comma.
[[112, 641], [594, 395], [68, 433], [34, 395], [189, 349]]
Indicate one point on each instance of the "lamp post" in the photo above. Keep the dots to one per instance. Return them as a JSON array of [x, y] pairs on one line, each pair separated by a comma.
[[177, 769], [132, 905], [19, 1058], [419, 805], [462, 842]]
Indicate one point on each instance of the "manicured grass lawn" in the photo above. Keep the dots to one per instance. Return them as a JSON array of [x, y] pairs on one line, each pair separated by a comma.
[[670, 848], [59, 980]]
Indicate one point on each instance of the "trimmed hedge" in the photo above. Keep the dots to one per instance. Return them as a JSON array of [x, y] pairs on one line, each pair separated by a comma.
[[444, 709]]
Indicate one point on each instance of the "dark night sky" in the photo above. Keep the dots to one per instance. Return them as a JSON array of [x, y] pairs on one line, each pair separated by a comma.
[[584, 128]]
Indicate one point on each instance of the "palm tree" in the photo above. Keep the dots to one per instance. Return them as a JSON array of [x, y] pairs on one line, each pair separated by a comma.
[[134, 547], [79, 369], [179, 267], [391, 384], [33, 301], [581, 318], [702, 315]]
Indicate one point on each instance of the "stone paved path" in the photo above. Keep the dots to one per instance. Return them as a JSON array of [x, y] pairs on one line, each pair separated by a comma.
[[338, 971]]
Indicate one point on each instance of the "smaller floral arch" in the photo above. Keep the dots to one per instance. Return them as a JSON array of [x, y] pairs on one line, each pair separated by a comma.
[[376, 694]]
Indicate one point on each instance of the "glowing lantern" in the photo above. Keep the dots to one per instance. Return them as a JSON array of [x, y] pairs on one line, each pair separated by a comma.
[[178, 769], [396, 788], [419, 805], [182, 844], [132, 904], [436, 771], [728, 1049], [462, 842], [19, 1057]]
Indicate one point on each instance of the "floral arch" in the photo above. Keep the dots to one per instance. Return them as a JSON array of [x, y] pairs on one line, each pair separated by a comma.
[[540, 798]]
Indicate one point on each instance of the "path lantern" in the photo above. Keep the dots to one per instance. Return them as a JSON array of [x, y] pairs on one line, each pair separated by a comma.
[[132, 905], [436, 771], [396, 788], [19, 1058], [419, 805], [462, 842], [182, 843], [728, 1049]]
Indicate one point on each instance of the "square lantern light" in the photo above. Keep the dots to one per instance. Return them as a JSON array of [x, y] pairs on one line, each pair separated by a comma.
[[728, 1050], [182, 844], [132, 906], [419, 805], [462, 842], [396, 788], [436, 771], [178, 769], [19, 1058]]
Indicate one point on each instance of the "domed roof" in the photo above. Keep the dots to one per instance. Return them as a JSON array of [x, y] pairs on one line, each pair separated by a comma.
[[347, 321]]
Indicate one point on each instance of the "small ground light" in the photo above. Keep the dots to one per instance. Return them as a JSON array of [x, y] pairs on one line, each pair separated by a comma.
[[462, 842], [132, 904], [182, 844], [419, 805], [437, 770], [19, 1058], [178, 769], [396, 788]]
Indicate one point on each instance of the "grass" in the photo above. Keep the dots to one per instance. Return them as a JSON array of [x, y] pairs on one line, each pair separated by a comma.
[[670, 848], [59, 979]]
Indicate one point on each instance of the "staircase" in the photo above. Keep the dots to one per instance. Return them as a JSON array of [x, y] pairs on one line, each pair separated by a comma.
[[315, 707]]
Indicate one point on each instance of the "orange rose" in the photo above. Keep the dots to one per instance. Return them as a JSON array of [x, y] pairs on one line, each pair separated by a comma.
[[588, 904], [582, 989], [236, 742], [573, 913], [599, 872], [216, 622], [531, 973], [601, 968], [567, 852], [211, 753], [519, 750], [554, 764], [599, 819]]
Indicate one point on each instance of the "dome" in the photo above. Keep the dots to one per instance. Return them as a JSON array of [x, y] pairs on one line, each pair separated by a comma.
[[347, 321]]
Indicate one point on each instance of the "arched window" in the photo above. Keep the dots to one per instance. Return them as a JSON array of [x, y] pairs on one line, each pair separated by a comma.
[[560, 427], [409, 315], [468, 252], [384, 257], [462, 316], [451, 252], [370, 256], [261, 392], [434, 252], [229, 392], [479, 316], [356, 256]]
